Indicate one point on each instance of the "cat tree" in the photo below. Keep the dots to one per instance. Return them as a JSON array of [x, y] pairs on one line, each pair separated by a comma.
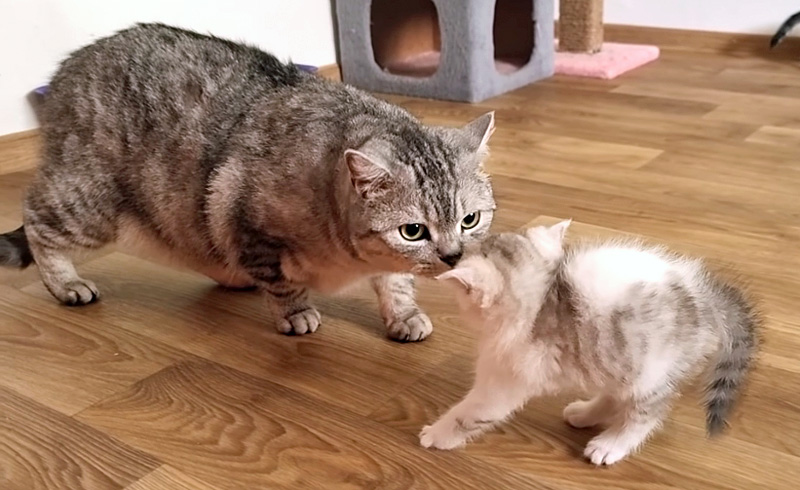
[[445, 49], [581, 50]]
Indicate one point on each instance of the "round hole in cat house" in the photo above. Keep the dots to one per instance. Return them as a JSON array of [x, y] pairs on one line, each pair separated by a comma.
[[513, 34], [406, 39]]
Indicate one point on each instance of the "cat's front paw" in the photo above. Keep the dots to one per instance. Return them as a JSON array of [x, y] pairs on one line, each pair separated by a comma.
[[442, 435], [76, 293], [411, 329], [300, 323]]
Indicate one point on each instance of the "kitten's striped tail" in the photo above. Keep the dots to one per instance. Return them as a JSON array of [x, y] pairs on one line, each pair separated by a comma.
[[14, 249], [738, 322], [784, 29]]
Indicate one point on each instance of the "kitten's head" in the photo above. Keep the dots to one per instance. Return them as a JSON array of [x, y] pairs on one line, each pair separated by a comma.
[[421, 194], [507, 268]]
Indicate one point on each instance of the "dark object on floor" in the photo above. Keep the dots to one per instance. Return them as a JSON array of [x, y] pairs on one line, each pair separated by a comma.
[[784, 29]]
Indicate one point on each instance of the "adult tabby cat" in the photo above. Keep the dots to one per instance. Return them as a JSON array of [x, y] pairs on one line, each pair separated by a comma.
[[250, 171]]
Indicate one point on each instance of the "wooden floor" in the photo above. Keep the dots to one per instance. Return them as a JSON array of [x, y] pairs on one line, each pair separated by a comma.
[[170, 383]]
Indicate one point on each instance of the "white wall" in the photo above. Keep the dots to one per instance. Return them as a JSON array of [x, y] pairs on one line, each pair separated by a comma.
[[743, 16], [36, 34]]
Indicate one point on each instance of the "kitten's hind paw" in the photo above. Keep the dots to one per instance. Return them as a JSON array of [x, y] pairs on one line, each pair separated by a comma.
[[300, 323], [412, 329], [577, 414], [582, 414]]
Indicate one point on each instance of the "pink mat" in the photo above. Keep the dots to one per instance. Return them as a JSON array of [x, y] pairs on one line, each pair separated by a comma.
[[612, 61]]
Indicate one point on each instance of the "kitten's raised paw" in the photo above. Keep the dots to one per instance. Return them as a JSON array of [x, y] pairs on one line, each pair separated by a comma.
[[441, 435], [76, 293], [300, 323], [579, 414], [605, 450], [412, 329]]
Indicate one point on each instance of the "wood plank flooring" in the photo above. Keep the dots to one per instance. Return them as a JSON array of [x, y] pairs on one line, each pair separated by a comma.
[[172, 383]]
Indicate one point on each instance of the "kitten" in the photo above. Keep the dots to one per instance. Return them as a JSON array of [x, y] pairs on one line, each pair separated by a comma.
[[622, 322], [250, 171], [784, 29]]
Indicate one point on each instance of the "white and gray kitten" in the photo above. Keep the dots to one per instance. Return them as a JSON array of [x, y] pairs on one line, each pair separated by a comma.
[[620, 322]]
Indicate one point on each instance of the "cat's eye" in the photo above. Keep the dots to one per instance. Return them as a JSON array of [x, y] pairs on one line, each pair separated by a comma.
[[414, 232], [471, 220]]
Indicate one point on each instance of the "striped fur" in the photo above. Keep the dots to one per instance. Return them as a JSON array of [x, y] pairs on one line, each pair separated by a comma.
[[245, 168]]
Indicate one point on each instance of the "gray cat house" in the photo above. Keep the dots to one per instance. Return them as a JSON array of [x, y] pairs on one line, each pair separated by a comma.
[[462, 50]]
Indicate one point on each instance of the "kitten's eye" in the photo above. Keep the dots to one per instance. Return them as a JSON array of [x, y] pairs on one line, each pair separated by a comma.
[[413, 232], [471, 220]]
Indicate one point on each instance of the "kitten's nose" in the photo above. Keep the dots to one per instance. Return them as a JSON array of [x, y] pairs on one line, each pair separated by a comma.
[[452, 259]]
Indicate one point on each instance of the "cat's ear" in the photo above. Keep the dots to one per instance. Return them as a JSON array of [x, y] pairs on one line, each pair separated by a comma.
[[479, 131], [368, 175]]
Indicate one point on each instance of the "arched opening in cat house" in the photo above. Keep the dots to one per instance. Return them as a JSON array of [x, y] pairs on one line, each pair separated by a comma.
[[513, 32], [406, 39]]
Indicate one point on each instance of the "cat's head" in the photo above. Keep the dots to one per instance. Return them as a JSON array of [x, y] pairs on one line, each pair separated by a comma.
[[421, 194], [507, 267]]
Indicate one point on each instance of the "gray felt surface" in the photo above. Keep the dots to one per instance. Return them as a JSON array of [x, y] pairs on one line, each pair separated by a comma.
[[466, 72]]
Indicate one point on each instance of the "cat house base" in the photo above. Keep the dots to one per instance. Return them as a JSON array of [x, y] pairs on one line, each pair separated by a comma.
[[445, 49]]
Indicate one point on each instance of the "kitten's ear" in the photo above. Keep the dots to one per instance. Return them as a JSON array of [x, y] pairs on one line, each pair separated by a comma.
[[549, 240], [479, 131], [480, 284], [559, 230], [552, 234], [367, 174], [465, 276]]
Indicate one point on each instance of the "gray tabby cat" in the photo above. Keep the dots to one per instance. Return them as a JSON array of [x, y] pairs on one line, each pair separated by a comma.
[[619, 321], [250, 171]]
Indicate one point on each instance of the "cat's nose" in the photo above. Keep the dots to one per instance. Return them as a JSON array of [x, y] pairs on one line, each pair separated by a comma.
[[452, 259]]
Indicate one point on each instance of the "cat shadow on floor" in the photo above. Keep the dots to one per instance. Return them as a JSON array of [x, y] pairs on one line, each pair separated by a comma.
[[250, 303]]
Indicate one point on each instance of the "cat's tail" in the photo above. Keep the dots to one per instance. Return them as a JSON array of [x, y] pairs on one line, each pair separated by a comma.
[[784, 29], [14, 249], [739, 322]]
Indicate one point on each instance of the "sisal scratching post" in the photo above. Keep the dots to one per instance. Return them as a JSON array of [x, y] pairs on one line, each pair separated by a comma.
[[580, 26], [581, 50]]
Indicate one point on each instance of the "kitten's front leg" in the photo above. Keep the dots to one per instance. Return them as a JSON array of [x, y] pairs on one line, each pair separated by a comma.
[[403, 319], [495, 395], [294, 314]]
